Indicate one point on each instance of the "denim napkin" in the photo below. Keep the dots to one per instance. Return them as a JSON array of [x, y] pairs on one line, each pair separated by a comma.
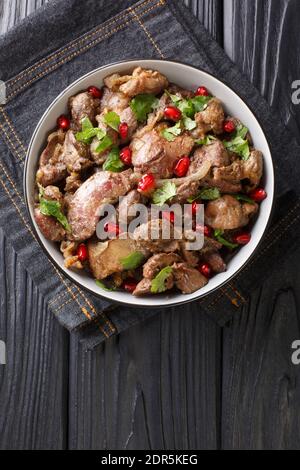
[[62, 42]]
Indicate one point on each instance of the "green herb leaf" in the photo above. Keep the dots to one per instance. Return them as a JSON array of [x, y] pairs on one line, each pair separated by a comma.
[[186, 107], [176, 99], [89, 132], [189, 124], [142, 105], [162, 195], [200, 103], [53, 208], [113, 161], [238, 144], [104, 287], [208, 139], [158, 284], [209, 194], [112, 119], [133, 261], [219, 237], [242, 197], [104, 144], [170, 133]]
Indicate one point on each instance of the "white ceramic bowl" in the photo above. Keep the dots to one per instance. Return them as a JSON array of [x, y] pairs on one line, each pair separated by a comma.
[[187, 77]]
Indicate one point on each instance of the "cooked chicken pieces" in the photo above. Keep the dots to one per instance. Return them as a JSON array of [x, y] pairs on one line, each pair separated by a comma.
[[142, 142], [227, 213]]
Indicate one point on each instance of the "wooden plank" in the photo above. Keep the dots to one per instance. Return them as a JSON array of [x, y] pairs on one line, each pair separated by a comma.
[[261, 392], [157, 385], [34, 380], [33, 405]]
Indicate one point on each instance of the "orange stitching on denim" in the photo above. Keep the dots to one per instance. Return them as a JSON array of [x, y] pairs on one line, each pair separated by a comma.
[[14, 148], [148, 34], [29, 228], [274, 240], [107, 321], [57, 309], [76, 42], [7, 119], [75, 54], [233, 288]]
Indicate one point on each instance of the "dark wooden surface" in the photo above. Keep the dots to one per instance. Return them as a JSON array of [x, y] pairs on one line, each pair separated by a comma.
[[177, 381]]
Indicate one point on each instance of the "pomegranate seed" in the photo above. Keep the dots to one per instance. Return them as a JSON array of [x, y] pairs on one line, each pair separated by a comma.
[[242, 238], [204, 229], [205, 269], [95, 92], [202, 91], [129, 285], [82, 252], [63, 122], [172, 113], [195, 207], [112, 228], [182, 167], [169, 216], [258, 195], [229, 127], [123, 130], [147, 183], [125, 155]]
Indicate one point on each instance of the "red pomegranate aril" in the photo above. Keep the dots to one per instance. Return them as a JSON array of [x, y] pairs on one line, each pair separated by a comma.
[[129, 285], [82, 252], [182, 167], [63, 122], [204, 229], [170, 216], [147, 183], [95, 92], [126, 155], [242, 238], [195, 207], [123, 130], [229, 127], [173, 113], [202, 91], [112, 228], [258, 195], [205, 269]]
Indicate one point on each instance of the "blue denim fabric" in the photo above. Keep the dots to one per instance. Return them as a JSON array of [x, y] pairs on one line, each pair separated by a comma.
[[56, 46]]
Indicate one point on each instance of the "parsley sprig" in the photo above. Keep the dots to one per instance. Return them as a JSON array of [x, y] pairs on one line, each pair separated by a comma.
[[163, 194], [88, 132], [239, 144], [54, 209]]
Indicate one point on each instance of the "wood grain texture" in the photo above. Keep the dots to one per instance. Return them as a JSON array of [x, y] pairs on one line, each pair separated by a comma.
[[261, 393], [33, 383], [13, 11]]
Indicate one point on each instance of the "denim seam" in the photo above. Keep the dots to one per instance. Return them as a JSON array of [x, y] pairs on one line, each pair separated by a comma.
[[77, 53], [74, 43], [71, 293], [137, 18]]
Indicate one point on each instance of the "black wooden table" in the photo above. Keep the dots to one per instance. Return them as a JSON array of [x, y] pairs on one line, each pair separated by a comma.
[[177, 381]]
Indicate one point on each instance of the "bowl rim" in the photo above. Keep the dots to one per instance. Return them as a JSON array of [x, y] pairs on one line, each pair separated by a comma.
[[99, 294]]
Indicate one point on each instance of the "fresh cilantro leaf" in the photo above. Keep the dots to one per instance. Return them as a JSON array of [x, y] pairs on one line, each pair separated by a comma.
[[239, 146], [208, 139], [86, 124], [189, 124], [133, 261], [142, 105], [158, 284], [241, 131], [200, 103], [242, 197], [176, 99], [104, 144], [162, 195], [113, 161], [219, 237], [104, 287], [53, 208], [88, 132], [112, 119], [186, 107], [209, 194], [170, 133]]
